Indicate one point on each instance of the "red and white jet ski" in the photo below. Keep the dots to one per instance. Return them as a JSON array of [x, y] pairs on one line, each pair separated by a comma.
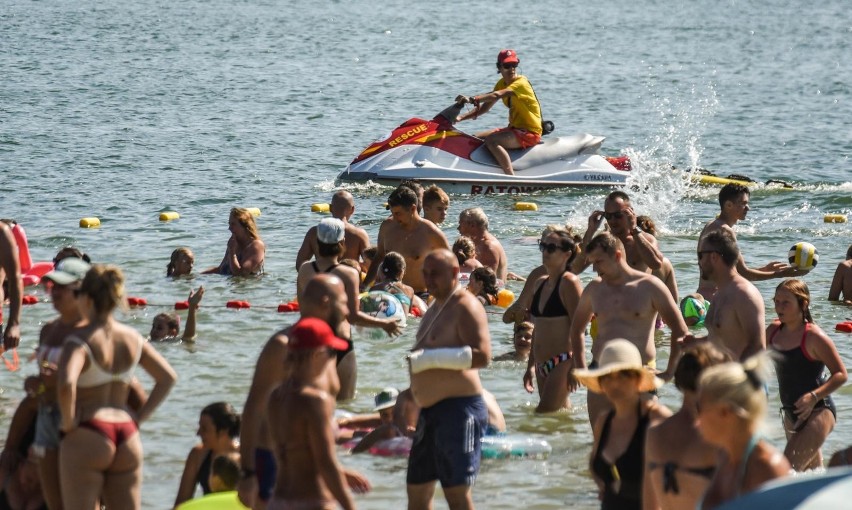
[[434, 151]]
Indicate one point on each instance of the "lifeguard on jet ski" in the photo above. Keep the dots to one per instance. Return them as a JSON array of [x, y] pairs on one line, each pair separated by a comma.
[[506, 160]]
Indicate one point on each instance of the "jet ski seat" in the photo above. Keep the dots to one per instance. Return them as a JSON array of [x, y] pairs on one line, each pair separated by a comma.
[[561, 148]]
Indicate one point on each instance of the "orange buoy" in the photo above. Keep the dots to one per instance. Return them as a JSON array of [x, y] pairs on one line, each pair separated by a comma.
[[182, 305]]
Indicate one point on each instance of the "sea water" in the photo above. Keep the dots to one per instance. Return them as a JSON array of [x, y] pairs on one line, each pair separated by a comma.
[[122, 110]]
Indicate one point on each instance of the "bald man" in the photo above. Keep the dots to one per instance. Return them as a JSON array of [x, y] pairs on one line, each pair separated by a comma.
[[357, 240], [324, 297], [452, 344], [10, 270]]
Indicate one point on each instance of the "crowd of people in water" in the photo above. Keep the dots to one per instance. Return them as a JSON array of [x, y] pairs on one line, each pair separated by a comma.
[[74, 439]]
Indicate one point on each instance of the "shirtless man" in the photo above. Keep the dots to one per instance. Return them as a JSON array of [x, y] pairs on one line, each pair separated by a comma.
[[735, 321], [841, 284], [453, 342], [300, 412], [357, 240], [409, 235], [436, 202], [734, 200], [324, 297], [640, 248], [474, 224], [10, 270], [330, 244], [626, 303]]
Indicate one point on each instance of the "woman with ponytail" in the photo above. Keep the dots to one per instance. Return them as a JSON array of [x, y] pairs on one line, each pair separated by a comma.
[[803, 352], [100, 455]]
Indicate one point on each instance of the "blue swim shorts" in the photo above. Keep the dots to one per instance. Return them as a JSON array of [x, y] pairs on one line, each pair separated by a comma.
[[48, 421], [267, 469], [447, 444]]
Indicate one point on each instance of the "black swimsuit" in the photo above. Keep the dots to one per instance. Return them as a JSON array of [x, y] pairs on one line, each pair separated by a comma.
[[623, 479], [553, 307], [799, 374], [350, 348], [203, 476]]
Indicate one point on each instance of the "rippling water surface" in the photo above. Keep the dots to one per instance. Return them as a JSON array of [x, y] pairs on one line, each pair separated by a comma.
[[124, 110]]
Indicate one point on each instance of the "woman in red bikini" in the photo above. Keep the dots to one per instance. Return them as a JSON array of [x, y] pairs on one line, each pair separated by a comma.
[[100, 455]]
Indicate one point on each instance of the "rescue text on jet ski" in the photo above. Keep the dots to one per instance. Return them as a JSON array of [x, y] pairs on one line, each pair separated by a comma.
[[435, 151]]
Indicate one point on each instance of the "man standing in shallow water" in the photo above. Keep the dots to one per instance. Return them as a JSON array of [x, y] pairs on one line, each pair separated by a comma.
[[409, 235], [10, 269], [626, 303], [453, 342]]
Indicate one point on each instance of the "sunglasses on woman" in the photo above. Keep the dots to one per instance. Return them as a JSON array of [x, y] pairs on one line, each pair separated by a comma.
[[550, 247], [509, 66]]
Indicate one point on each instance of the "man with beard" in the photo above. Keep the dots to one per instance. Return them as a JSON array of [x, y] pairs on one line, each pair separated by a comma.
[[735, 320], [323, 297], [626, 303]]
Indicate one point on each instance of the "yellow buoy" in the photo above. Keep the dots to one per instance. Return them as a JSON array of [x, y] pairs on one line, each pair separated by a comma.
[[169, 216], [834, 218], [505, 297], [323, 208], [526, 206], [255, 211], [90, 222]]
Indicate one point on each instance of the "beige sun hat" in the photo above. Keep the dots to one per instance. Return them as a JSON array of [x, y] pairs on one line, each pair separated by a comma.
[[619, 354]]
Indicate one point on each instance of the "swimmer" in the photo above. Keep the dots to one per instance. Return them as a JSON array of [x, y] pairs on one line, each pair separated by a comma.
[[803, 352], [473, 223], [626, 303], [640, 248], [735, 321], [181, 263], [435, 204], [679, 464], [385, 402], [452, 344], [734, 203], [521, 341], [299, 418], [219, 429], [841, 284], [732, 407], [393, 270], [552, 309], [330, 242], [101, 436], [465, 252], [483, 285], [166, 326], [246, 250], [617, 461], [356, 238], [324, 297], [409, 235]]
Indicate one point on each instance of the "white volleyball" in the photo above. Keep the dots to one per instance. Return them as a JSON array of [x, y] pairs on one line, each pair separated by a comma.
[[803, 255]]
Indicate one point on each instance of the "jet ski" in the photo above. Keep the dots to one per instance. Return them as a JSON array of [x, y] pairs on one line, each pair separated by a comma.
[[436, 152]]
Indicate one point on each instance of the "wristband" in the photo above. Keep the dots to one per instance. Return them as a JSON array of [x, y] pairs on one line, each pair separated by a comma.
[[449, 358], [475, 101], [814, 395]]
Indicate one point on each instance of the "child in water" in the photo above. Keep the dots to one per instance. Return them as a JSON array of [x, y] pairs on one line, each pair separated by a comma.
[[181, 262], [166, 326]]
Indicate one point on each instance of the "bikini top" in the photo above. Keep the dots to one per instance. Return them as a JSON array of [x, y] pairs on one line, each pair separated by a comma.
[[553, 307], [95, 375], [317, 269]]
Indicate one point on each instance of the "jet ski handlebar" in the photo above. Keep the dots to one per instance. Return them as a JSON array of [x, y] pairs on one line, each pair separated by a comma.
[[450, 113]]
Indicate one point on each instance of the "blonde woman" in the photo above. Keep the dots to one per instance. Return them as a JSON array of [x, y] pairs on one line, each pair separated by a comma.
[[732, 407], [100, 455], [246, 250]]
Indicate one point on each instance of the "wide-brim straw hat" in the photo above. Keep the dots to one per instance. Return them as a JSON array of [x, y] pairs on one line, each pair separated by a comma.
[[618, 355]]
